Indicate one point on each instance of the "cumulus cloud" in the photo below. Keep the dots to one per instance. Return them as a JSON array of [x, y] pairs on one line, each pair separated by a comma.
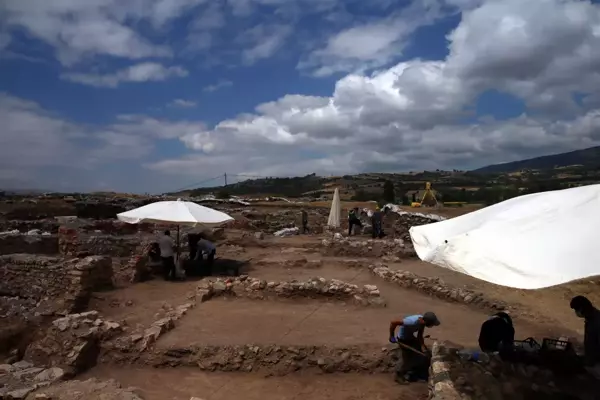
[[144, 72], [384, 115], [412, 115]]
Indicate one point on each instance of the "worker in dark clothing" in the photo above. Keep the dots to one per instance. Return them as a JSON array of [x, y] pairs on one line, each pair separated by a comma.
[[497, 333], [353, 220], [584, 308], [376, 221], [412, 366], [304, 222]]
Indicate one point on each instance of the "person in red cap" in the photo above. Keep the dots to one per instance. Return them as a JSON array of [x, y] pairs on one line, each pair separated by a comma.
[[410, 335]]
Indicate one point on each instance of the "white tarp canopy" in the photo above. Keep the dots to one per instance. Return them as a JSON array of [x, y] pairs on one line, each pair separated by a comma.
[[528, 242], [176, 213], [336, 210]]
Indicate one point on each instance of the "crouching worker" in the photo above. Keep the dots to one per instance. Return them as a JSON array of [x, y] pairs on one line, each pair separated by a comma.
[[497, 333], [413, 364], [206, 247]]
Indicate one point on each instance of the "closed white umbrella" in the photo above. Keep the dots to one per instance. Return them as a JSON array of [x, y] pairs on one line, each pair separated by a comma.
[[334, 214]]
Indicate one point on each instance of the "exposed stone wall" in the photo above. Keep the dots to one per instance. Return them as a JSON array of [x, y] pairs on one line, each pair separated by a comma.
[[72, 342], [53, 283], [436, 287], [31, 244], [273, 359], [45, 225], [72, 243], [341, 246], [452, 378], [314, 288]]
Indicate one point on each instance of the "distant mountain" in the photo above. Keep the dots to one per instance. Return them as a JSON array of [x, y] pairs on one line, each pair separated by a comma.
[[589, 158]]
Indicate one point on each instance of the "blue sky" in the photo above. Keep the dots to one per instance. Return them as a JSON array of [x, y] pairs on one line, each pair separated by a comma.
[[154, 95]]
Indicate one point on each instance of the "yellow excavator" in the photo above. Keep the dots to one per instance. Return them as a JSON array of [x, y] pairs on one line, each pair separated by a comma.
[[428, 195]]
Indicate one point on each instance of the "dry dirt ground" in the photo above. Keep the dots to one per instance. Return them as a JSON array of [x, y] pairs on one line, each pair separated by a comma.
[[224, 321]]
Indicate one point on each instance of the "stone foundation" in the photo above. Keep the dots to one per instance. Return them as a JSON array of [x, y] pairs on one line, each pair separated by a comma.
[[436, 287], [319, 288], [54, 285], [272, 359], [341, 246], [72, 242]]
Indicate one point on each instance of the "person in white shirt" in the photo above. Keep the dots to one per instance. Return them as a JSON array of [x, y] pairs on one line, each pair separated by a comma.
[[208, 248], [166, 245]]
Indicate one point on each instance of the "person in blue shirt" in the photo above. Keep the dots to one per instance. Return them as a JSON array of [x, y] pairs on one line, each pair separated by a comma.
[[410, 333]]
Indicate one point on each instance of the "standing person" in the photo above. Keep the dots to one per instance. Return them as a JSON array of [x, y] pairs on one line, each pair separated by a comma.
[[497, 333], [584, 308], [376, 223], [410, 365], [353, 220], [167, 254], [205, 246], [304, 222]]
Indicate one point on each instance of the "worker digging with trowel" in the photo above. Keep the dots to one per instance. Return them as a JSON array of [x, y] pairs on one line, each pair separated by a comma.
[[414, 362]]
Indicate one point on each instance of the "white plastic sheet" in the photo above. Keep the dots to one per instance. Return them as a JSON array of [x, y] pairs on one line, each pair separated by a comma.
[[336, 210], [528, 242]]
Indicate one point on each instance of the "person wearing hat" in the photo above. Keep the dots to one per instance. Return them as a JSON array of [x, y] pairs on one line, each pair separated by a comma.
[[410, 334]]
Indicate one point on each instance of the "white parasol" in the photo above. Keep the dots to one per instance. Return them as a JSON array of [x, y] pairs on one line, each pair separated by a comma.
[[175, 213]]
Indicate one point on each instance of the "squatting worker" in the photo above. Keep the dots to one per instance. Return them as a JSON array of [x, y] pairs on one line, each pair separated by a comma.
[[584, 308], [410, 366], [497, 333], [167, 253]]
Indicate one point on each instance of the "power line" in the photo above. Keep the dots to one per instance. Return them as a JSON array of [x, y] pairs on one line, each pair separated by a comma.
[[197, 183]]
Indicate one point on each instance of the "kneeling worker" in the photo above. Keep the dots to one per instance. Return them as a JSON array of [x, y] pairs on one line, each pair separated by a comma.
[[412, 365], [497, 333]]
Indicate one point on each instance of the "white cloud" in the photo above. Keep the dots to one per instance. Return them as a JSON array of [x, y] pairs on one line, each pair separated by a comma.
[[144, 72], [373, 44], [82, 29], [34, 140], [223, 83], [411, 115], [182, 103], [263, 41]]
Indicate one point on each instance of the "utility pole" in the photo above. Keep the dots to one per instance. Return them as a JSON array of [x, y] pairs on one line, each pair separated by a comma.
[[225, 178]]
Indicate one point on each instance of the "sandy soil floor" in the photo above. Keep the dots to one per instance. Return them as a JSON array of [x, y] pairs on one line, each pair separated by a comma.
[[182, 383]]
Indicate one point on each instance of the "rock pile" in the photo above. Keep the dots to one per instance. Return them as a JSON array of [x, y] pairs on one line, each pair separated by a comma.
[[436, 287], [398, 224], [320, 288], [278, 360], [72, 342], [21, 378]]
